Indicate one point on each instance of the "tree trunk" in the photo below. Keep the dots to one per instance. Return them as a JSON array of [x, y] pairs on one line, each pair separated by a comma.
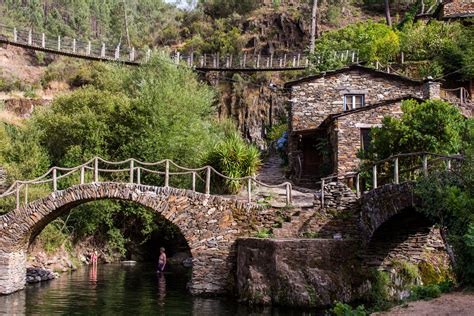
[[387, 13], [314, 25], [449, 250]]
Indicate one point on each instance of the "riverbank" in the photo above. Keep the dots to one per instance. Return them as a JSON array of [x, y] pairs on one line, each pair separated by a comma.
[[455, 303]]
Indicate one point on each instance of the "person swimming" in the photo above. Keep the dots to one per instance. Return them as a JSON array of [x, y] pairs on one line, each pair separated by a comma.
[[161, 260]]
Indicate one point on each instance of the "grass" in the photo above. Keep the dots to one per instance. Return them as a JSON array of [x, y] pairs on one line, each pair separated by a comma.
[[264, 233]]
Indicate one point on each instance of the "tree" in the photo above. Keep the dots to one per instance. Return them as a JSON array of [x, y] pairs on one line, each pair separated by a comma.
[[433, 126], [387, 12], [314, 25], [448, 200]]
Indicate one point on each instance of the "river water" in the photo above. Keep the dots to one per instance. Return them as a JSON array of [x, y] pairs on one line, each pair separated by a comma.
[[115, 289]]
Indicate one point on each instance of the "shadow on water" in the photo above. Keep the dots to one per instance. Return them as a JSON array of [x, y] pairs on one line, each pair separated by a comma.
[[124, 290]]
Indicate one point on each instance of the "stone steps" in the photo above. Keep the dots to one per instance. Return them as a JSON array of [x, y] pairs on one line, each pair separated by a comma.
[[292, 228]]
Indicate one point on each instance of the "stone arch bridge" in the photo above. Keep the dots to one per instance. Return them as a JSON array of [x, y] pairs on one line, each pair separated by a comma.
[[210, 223]]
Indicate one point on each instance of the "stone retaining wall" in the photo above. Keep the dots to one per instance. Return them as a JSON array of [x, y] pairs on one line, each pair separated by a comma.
[[297, 272]]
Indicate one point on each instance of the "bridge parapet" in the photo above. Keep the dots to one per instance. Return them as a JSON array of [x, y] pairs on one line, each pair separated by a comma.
[[160, 173], [395, 169]]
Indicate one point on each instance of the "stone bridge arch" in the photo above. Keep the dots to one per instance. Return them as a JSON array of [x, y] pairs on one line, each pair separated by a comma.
[[207, 222], [379, 205]]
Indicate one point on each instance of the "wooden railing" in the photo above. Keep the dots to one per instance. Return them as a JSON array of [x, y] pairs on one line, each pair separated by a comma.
[[92, 170], [388, 171], [95, 50]]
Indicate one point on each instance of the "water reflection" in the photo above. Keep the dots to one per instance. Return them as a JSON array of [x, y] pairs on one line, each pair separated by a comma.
[[123, 290]]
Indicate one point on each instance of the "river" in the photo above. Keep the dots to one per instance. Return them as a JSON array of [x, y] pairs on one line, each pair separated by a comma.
[[115, 289]]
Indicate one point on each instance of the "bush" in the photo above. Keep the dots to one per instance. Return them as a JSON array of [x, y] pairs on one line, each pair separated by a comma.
[[263, 233], [342, 309], [425, 292], [234, 158]]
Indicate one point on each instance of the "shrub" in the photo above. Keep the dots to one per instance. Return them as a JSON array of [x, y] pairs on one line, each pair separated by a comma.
[[425, 292], [263, 233], [342, 309], [234, 158]]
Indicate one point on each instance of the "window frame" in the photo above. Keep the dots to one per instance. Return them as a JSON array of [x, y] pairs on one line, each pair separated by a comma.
[[353, 96]]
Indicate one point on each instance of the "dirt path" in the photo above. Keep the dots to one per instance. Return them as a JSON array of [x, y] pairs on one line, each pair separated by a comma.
[[455, 304]]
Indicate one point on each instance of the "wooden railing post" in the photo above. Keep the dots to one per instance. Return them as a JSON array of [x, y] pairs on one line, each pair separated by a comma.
[[43, 40], [89, 46], [15, 35], [83, 171], [132, 168], [194, 181], [448, 167], [17, 196], [102, 51], [208, 180], [167, 173], [59, 42], [322, 193], [117, 52], [55, 180], [396, 177], [26, 193], [358, 184], [425, 165], [139, 175], [96, 169], [74, 45], [289, 197], [249, 190], [30, 37], [374, 176]]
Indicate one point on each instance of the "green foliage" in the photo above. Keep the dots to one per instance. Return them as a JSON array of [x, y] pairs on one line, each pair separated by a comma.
[[52, 237], [342, 309], [264, 233], [425, 292], [433, 126], [378, 294], [373, 41], [224, 8], [407, 271], [150, 113], [277, 131], [311, 235], [448, 200], [234, 158], [438, 47]]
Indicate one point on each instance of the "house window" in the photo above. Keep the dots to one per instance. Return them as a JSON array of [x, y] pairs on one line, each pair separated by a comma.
[[353, 101], [365, 138]]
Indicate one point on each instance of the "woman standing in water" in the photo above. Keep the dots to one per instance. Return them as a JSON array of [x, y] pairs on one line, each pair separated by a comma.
[[161, 260]]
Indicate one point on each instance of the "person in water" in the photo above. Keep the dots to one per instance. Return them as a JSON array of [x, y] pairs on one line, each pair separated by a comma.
[[161, 260], [94, 257]]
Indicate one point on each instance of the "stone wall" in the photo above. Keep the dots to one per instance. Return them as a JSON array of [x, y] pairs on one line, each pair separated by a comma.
[[297, 272], [314, 100], [347, 130], [458, 8]]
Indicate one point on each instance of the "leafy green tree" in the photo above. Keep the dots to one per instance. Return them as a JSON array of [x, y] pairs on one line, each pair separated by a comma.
[[448, 199], [433, 126], [374, 42]]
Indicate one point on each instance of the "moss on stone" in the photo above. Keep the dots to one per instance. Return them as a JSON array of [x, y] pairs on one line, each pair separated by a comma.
[[431, 274]]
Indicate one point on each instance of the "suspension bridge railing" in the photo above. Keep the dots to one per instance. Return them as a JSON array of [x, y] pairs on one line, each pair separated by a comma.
[[395, 169], [105, 51], [159, 173]]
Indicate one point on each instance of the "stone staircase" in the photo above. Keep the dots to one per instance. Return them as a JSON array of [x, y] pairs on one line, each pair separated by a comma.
[[296, 221]]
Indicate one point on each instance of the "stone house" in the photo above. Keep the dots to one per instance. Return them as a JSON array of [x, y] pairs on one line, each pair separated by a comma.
[[331, 114]]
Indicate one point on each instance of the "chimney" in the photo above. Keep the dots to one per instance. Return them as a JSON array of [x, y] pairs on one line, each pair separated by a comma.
[[431, 89]]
